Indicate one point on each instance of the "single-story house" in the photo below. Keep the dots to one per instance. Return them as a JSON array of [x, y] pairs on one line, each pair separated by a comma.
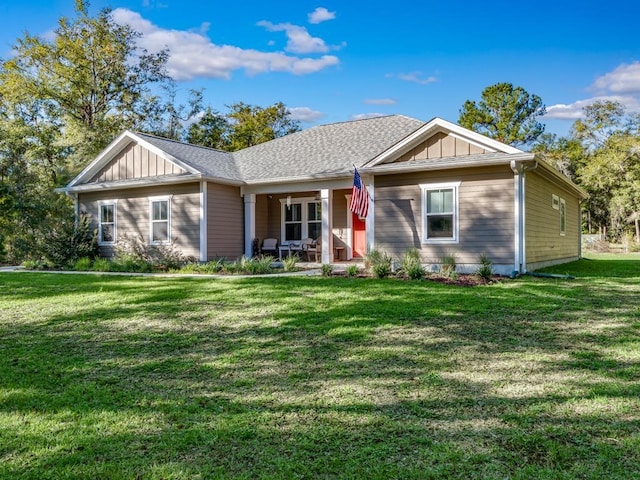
[[435, 186]]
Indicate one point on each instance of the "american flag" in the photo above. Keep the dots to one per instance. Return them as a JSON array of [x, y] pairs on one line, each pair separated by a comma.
[[359, 197]]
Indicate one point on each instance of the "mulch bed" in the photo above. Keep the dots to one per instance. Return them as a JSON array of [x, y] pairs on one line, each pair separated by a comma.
[[462, 280]]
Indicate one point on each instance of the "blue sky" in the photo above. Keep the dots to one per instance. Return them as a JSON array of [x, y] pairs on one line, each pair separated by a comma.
[[331, 61]]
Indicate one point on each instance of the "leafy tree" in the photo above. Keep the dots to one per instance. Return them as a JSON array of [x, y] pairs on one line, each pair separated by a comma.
[[212, 130], [505, 113], [89, 83], [251, 125]]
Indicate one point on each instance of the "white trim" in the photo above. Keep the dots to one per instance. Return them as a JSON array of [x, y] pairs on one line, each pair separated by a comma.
[[424, 188], [304, 216], [370, 220], [518, 224], [115, 222], [438, 125], [555, 201], [203, 221], [161, 198], [115, 147], [326, 232], [563, 216], [349, 241], [249, 223]]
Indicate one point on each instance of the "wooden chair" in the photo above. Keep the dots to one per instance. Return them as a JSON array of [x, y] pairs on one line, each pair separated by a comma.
[[310, 247]]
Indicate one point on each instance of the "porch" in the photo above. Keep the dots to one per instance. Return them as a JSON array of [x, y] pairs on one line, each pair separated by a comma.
[[320, 214]]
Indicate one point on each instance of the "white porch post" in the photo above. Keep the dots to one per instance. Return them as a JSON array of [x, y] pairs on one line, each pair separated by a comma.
[[249, 223], [203, 221], [370, 221], [326, 199]]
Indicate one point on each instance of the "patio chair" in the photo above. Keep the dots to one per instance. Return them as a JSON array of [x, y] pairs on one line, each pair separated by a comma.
[[310, 247], [269, 247]]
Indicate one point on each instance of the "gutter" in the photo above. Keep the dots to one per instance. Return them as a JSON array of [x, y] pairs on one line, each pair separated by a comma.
[[519, 169]]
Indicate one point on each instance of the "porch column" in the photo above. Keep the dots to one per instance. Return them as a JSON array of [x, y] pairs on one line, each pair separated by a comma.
[[249, 223], [326, 205], [370, 221]]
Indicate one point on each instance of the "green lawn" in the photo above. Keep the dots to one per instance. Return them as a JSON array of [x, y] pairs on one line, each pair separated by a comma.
[[107, 377]]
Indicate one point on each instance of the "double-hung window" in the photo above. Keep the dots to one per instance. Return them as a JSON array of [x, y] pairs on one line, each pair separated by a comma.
[[440, 212], [107, 234], [160, 220], [301, 218]]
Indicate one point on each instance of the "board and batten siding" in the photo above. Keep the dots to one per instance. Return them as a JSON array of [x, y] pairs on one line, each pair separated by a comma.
[[441, 145], [133, 214], [225, 222], [486, 215], [544, 245], [135, 161]]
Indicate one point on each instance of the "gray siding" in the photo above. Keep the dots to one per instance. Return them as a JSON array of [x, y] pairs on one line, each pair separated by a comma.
[[135, 161], [132, 214], [486, 215], [544, 243], [225, 223]]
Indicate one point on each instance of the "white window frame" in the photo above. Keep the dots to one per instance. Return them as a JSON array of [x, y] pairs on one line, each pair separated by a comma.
[[563, 216], [304, 231], [164, 198], [555, 202], [113, 203], [426, 187]]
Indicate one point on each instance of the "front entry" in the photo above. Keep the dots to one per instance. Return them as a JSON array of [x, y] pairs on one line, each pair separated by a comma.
[[359, 244]]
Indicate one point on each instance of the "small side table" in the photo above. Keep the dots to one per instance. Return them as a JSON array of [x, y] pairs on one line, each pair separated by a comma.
[[337, 252]]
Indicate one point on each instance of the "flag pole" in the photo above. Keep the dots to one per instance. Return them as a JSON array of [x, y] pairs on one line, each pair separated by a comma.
[[365, 188]]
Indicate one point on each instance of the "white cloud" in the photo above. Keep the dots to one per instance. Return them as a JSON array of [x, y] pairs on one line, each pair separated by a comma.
[[574, 111], [320, 15], [364, 116], [192, 54], [299, 39], [415, 77], [305, 114], [624, 79], [380, 101]]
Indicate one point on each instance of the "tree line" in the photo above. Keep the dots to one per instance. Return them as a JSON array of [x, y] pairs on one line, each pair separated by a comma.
[[63, 100]]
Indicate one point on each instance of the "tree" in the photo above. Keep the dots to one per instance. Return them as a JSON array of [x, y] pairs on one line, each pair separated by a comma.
[[251, 125], [90, 82], [243, 126], [212, 130], [505, 113]]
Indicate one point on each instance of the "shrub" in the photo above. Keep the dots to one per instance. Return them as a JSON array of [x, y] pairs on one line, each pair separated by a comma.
[[382, 269], [378, 263], [371, 258], [102, 265], [162, 256], [412, 265], [82, 264], [448, 267], [290, 262], [258, 265], [484, 270], [68, 242], [327, 269], [352, 270]]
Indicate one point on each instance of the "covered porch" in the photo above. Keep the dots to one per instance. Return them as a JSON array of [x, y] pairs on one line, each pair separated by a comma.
[[291, 213]]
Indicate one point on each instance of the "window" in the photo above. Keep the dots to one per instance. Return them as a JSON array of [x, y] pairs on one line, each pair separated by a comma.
[[563, 217], [440, 213], [107, 223], [160, 233], [555, 202], [302, 218]]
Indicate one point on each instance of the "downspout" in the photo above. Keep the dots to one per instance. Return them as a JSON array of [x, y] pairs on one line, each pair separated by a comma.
[[519, 169]]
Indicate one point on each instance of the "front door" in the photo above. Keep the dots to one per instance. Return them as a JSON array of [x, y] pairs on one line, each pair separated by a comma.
[[359, 236]]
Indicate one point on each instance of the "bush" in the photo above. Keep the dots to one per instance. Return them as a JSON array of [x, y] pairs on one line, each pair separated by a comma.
[[352, 270], [290, 262], [68, 242], [484, 270], [448, 267], [327, 269], [161, 256], [412, 265], [102, 265], [378, 263], [258, 265], [82, 264]]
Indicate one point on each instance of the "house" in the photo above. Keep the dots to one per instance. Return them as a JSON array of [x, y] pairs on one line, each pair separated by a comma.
[[434, 186]]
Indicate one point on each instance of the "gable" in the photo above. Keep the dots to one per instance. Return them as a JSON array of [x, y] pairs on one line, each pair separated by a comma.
[[135, 161], [441, 145]]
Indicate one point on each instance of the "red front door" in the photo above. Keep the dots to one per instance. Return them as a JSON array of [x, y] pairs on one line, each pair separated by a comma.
[[359, 236]]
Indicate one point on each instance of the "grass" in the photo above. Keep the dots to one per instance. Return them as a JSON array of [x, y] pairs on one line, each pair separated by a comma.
[[185, 378]]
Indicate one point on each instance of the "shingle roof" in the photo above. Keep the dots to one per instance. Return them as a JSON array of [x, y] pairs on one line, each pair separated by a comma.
[[211, 162], [325, 149]]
